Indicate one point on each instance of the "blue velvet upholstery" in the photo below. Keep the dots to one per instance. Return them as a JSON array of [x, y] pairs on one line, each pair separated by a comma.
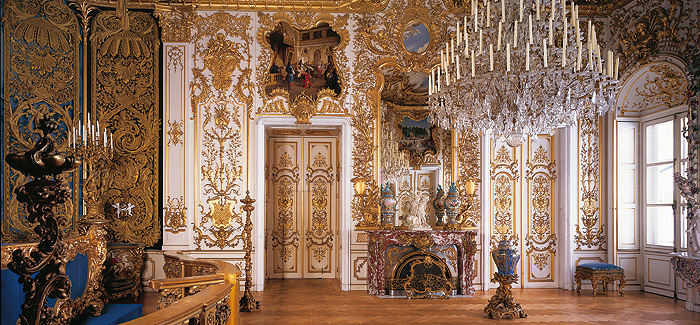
[[12, 296], [600, 267], [114, 314]]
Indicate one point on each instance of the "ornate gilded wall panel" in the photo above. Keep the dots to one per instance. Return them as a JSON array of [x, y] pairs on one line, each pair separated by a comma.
[[379, 42], [590, 229], [284, 221], [649, 28], [320, 211], [541, 239], [469, 168], [125, 83], [41, 41], [505, 178], [326, 102], [221, 101]]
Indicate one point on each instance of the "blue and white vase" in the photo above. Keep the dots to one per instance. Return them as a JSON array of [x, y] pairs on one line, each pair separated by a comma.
[[439, 206], [388, 204], [452, 204], [506, 257]]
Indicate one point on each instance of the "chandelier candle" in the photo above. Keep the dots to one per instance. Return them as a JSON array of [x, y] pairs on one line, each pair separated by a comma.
[[522, 90]]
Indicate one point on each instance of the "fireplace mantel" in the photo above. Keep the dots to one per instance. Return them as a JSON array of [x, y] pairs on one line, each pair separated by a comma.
[[430, 242]]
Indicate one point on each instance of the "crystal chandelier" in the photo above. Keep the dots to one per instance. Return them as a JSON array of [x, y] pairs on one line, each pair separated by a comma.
[[394, 162], [519, 69]]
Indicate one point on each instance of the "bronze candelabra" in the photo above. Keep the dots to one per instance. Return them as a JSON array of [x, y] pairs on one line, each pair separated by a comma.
[[247, 302], [45, 164]]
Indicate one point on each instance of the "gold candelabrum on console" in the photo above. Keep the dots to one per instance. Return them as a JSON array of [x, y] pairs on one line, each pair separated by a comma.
[[247, 302], [95, 146]]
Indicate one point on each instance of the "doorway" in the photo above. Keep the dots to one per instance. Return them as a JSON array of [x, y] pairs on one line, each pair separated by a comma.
[[302, 225]]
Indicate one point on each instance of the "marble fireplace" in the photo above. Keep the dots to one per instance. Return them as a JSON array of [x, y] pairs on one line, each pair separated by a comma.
[[443, 258]]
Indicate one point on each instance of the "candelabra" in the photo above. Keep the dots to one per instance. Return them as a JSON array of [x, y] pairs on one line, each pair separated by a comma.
[[528, 69], [95, 147]]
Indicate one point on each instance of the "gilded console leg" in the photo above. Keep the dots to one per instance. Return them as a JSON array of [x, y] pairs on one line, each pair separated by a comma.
[[605, 286]]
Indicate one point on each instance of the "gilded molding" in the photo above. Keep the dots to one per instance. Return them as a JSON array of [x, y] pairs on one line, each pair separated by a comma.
[[326, 101], [669, 86], [175, 26], [540, 175], [174, 218], [469, 160], [41, 77], [592, 234], [222, 95], [175, 56], [504, 175], [649, 28], [125, 49], [175, 132]]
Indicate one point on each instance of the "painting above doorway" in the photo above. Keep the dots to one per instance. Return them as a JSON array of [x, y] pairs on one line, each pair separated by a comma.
[[302, 61]]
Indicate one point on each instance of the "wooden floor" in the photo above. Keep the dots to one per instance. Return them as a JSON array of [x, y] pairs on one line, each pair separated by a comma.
[[322, 302]]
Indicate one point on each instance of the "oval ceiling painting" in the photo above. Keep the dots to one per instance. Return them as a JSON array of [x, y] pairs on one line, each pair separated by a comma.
[[416, 37]]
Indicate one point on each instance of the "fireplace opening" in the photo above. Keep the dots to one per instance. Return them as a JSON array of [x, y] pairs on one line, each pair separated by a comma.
[[422, 274]]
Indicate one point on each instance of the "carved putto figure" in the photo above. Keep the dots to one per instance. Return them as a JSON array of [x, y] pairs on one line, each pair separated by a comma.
[[417, 218]]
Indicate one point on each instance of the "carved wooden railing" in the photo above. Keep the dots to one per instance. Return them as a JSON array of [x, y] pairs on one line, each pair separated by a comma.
[[205, 290], [93, 245]]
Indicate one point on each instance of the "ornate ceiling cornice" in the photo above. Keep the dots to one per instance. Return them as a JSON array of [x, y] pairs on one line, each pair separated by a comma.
[[599, 8], [342, 6]]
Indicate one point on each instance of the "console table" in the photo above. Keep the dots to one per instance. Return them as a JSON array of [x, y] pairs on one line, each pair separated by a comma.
[[388, 248], [687, 267]]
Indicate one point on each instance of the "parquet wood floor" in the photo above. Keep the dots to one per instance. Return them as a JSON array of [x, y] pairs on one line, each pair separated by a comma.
[[322, 302]]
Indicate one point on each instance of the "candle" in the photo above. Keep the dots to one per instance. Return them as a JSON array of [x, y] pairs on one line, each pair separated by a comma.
[[544, 51], [465, 28], [459, 72], [590, 56], [503, 11], [500, 27], [111, 140], [551, 11], [578, 57], [73, 138], [551, 32], [515, 34], [563, 46], [529, 27], [452, 51], [430, 83], [459, 35], [466, 43], [472, 63], [508, 57], [98, 126], [589, 32], [104, 138], [488, 14], [490, 57], [617, 68], [481, 41], [527, 57], [538, 10], [438, 79], [521, 11]]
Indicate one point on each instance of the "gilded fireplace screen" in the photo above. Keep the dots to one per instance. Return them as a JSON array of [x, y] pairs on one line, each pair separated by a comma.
[[423, 274]]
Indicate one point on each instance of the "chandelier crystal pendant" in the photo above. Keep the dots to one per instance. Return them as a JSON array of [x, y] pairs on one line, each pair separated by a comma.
[[521, 69], [394, 162]]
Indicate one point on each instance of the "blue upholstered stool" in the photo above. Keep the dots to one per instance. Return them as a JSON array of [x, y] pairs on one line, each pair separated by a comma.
[[599, 272]]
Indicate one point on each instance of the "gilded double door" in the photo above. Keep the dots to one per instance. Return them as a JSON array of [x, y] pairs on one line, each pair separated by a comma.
[[302, 207]]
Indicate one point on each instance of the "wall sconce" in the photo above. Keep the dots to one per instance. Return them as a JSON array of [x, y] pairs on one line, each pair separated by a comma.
[[470, 186], [360, 186]]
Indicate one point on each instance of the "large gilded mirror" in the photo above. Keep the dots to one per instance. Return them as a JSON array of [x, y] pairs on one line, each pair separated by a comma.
[[415, 156], [302, 61]]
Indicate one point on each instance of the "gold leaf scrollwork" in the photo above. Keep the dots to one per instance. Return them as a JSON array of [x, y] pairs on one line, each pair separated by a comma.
[[40, 55], [175, 132], [174, 216], [540, 240], [669, 86], [124, 51], [593, 233], [222, 94]]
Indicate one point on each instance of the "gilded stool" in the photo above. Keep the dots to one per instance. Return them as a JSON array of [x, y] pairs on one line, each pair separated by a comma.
[[599, 272]]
